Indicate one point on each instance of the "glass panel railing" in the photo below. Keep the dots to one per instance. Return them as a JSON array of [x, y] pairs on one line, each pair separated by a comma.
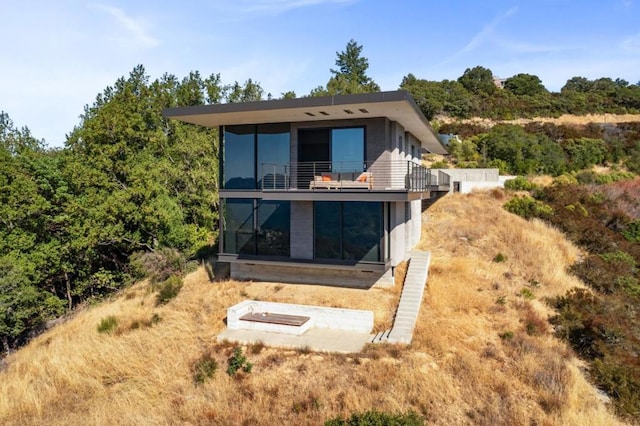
[[326, 175]]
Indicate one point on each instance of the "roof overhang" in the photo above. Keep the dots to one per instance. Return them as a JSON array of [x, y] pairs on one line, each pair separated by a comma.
[[397, 106]]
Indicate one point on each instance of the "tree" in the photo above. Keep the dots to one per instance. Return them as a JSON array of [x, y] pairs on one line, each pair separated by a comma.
[[478, 80], [351, 75], [251, 91], [525, 84]]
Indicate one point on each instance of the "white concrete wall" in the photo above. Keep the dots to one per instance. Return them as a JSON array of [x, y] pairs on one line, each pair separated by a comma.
[[475, 175], [416, 222], [306, 274], [398, 233], [321, 317]]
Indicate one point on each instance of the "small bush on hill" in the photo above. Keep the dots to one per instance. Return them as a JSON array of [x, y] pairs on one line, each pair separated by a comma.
[[204, 368], [528, 207], [520, 183], [238, 361], [159, 265], [632, 231], [565, 179], [168, 289], [377, 418], [108, 324]]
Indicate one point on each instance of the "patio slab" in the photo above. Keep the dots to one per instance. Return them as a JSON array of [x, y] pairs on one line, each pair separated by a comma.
[[315, 339]]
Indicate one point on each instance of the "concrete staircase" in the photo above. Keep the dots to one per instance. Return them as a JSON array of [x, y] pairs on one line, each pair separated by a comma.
[[410, 301]]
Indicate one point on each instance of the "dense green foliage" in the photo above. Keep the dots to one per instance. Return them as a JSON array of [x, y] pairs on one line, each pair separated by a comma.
[[127, 181], [548, 149], [603, 326], [377, 418], [475, 94]]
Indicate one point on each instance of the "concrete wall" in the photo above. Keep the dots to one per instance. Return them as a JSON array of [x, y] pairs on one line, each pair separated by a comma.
[[475, 175], [320, 317], [306, 274], [416, 223], [398, 233], [302, 229]]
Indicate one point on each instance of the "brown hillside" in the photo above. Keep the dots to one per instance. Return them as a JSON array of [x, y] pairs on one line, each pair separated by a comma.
[[566, 119], [482, 353]]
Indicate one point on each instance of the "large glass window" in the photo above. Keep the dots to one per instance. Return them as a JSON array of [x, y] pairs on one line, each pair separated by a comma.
[[264, 233], [327, 230], [347, 149], [239, 157], [273, 155], [362, 231], [238, 226], [247, 148], [272, 234], [348, 230]]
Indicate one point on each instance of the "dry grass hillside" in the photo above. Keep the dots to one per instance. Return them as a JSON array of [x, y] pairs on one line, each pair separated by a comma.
[[566, 119], [483, 352]]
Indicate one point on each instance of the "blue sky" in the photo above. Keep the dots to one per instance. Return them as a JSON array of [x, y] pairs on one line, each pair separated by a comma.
[[57, 56]]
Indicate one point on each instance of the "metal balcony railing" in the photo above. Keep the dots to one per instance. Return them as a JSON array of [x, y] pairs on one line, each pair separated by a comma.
[[344, 175]]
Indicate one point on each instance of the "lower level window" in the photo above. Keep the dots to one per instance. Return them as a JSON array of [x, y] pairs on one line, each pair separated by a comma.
[[256, 227], [348, 230]]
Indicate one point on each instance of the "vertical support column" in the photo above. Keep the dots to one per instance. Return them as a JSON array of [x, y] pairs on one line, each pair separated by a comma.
[[302, 229]]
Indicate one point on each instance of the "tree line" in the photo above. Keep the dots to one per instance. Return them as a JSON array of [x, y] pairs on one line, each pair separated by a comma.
[[130, 181], [476, 94]]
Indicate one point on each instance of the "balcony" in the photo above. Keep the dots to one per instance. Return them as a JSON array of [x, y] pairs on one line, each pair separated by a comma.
[[323, 176]]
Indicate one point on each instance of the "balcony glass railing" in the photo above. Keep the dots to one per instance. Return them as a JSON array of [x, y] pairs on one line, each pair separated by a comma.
[[326, 175]]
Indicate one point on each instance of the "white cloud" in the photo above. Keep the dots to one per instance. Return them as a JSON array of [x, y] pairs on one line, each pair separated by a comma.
[[136, 35], [271, 6], [482, 36]]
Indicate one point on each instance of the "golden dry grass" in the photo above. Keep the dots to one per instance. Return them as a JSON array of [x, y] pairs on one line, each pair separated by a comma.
[[566, 119], [458, 369]]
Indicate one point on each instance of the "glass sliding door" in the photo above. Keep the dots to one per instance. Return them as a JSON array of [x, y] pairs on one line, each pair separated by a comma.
[[238, 226], [257, 228], [327, 230], [273, 155], [362, 231], [273, 231], [348, 231]]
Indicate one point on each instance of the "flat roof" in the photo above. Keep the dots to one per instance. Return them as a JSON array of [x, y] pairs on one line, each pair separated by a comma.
[[396, 105]]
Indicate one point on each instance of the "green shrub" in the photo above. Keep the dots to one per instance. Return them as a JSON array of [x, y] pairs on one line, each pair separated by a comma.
[[507, 335], [528, 207], [440, 165], [499, 258], [565, 179], [526, 293], [619, 256], [519, 183], [501, 300], [377, 418], [159, 265], [168, 289], [586, 177], [238, 361], [204, 368], [108, 324], [632, 231]]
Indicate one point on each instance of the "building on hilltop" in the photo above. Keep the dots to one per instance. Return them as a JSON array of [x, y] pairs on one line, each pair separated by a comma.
[[321, 190]]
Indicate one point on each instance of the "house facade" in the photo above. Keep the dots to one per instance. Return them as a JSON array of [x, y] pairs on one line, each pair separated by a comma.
[[322, 190]]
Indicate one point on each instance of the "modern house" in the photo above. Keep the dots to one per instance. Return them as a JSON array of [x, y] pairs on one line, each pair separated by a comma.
[[323, 190]]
